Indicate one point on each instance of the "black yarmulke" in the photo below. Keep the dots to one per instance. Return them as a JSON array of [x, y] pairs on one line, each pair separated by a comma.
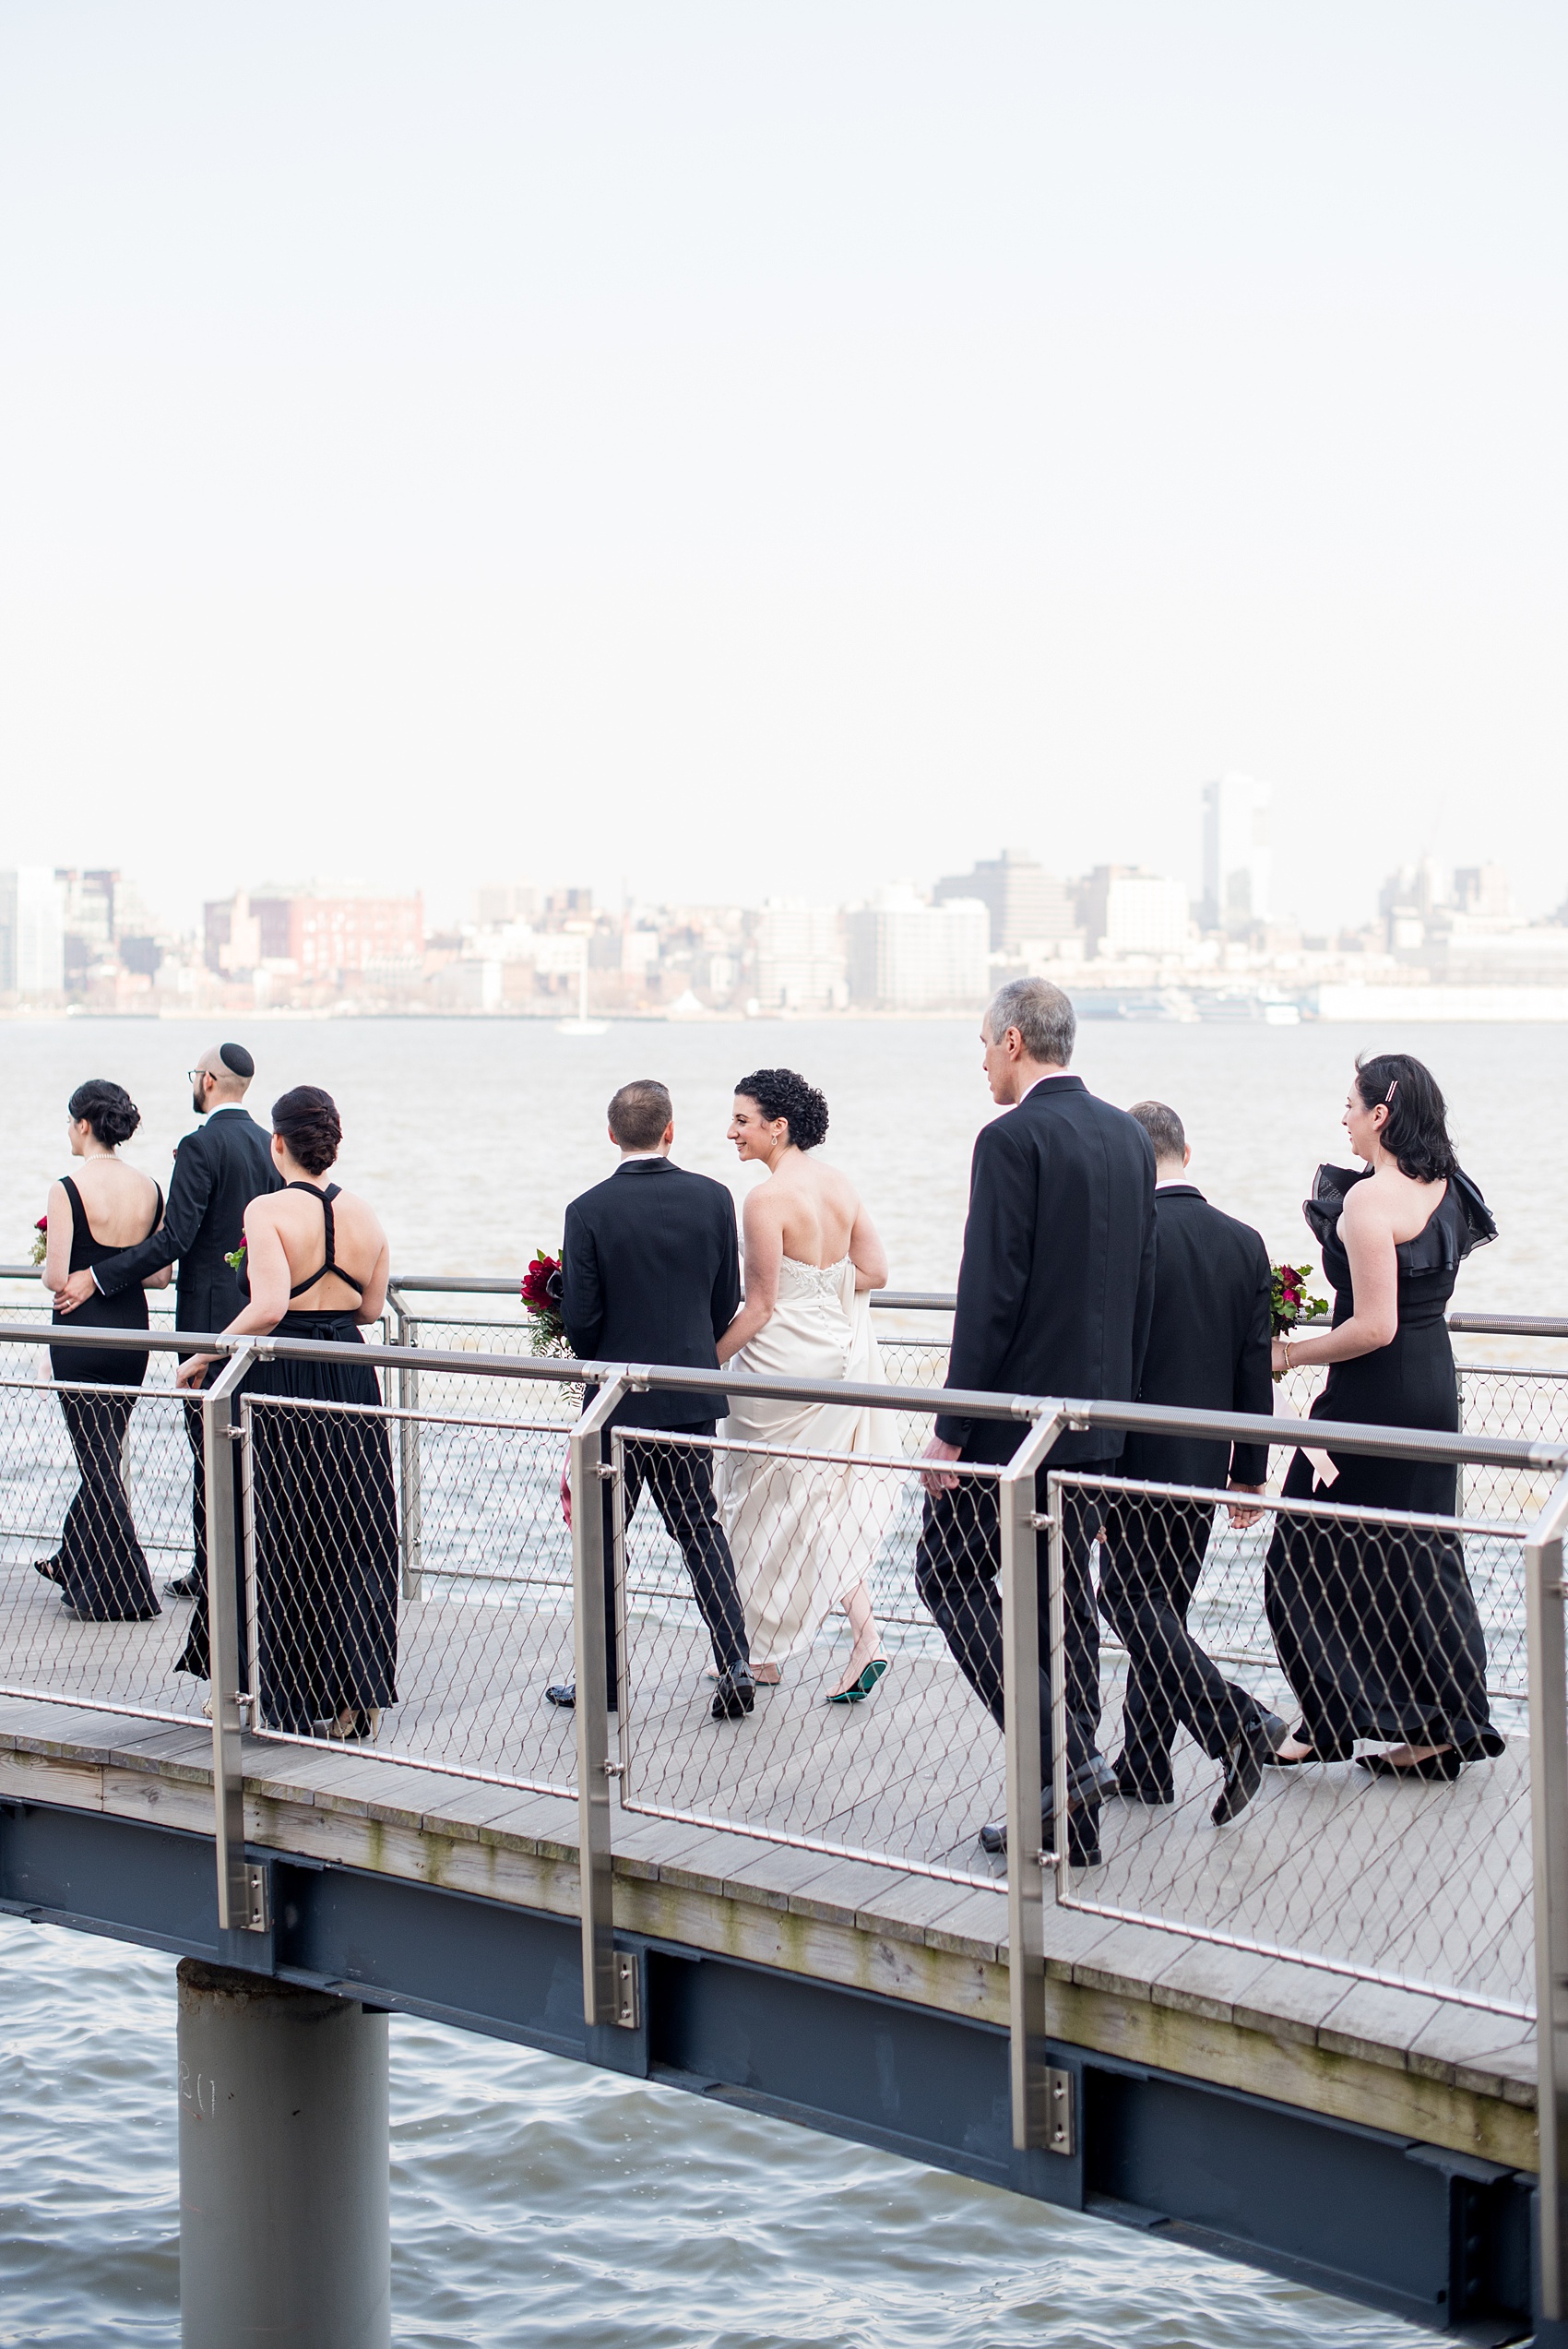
[[236, 1059]]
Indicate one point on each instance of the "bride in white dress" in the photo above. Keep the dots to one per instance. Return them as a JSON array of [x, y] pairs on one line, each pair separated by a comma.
[[803, 1532]]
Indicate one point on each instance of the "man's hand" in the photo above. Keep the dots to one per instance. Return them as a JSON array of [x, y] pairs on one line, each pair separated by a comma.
[[193, 1372], [1240, 1516], [935, 1480], [566, 1489], [76, 1291]]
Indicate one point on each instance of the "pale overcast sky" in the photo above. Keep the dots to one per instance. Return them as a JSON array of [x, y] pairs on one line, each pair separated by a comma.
[[779, 446]]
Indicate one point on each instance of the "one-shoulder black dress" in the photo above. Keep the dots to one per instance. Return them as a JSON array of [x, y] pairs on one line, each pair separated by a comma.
[[326, 1518], [1376, 1626], [99, 1566]]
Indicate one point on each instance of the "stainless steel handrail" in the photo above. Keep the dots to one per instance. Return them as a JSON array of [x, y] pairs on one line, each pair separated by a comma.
[[959, 1402]]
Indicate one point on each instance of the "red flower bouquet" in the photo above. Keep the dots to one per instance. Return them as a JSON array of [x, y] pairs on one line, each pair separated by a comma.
[[41, 1245], [541, 1298], [1290, 1303]]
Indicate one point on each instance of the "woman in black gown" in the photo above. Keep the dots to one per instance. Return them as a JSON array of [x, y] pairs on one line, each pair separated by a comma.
[[1376, 1626], [104, 1207], [325, 1506]]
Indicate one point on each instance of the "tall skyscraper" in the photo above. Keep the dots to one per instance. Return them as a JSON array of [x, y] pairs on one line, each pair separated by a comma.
[[32, 932], [1236, 852]]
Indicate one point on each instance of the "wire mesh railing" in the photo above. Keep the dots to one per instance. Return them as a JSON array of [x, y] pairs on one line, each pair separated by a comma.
[[850, 1749], [95, 1512], [1366, 1631], [448, 1676]]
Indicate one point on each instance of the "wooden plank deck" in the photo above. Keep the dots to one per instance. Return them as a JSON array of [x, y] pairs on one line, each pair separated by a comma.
[[1424, 2066]]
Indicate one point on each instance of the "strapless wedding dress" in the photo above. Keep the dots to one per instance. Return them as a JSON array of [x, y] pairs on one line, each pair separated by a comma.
[[803, 1532]]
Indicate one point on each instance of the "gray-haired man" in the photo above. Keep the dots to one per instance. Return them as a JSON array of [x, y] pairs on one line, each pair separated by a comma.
[[1054, 1297]]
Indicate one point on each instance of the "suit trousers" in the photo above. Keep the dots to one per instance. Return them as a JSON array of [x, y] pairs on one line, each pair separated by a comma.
[[956, 1564], [1154, 1555], [681, 1482], [196, 1437]]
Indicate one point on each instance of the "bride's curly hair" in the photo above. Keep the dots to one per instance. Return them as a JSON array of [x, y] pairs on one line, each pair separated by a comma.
[[779, 1093]]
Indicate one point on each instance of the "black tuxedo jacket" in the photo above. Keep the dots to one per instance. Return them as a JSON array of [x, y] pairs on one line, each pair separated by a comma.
[[218, 1171], [1057, 1280], [651, 1271], [1208, 1343]]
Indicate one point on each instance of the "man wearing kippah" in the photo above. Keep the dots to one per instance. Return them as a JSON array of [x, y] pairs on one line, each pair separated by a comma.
[[219, 1169]]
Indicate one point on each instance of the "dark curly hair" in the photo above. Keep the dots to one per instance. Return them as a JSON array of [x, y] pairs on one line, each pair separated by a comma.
[[306, 1122], [779, 1093], [1416, 1136], [108, 1109]]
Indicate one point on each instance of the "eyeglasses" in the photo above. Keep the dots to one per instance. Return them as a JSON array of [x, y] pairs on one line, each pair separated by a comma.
[[193, 1074]]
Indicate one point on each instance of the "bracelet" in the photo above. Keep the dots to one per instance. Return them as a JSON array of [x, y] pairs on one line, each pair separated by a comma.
[[1288, 1364]]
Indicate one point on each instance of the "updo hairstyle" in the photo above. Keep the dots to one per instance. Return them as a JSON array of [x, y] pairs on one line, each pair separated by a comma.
[[1416, 1136], [307, 1123], [779, 1093], [107, 1110]]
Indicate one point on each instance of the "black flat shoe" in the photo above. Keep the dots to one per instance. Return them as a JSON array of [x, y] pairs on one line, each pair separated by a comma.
[[735, 1695], [49, 1567], [1441, 1766], [1274, 1760], [562, 1693], [183, 1586]]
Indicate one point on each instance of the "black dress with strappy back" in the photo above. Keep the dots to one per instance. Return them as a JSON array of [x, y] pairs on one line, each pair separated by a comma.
[[325, 1519], [1376, 1626], [99, 1566]]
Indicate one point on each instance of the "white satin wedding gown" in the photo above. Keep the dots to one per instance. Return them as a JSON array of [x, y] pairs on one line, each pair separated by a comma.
[[803, 1532]]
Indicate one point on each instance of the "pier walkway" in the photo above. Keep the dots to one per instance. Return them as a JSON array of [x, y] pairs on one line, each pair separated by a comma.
[[1306, 2039]]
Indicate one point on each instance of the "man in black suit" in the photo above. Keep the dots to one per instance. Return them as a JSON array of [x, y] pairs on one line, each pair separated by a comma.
[[219, 1169], [1054, 1296], [1210, 1348], [651, 1271]]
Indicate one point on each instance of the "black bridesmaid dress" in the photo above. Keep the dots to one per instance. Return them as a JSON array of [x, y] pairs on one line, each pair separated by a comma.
[[325, 1516], [100, 1565], [1376, 1626]]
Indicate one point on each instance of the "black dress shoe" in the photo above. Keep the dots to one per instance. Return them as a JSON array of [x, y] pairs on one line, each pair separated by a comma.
[[562, 1693], [183, 1586], [735, 1695], [1087, 1788], [1136, 1786], [1083, 1833], [1246, 1758]]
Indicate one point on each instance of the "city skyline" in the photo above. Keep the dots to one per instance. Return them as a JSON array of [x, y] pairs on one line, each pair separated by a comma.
[[1206, 848]]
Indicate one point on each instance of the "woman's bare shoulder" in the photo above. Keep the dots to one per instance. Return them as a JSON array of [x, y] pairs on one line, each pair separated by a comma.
[[1371, 1206]]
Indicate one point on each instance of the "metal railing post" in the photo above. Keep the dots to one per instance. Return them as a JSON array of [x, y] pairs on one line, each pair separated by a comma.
[[1020, 1675], [1056, 1603], [1548, 1838], [600, 2001], [410, 1510], [247, 1526], [239, 1898]]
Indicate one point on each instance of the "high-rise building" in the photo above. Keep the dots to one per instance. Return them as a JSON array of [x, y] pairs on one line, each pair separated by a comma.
[[908, 956], [1027, 905], [1237, 863], [1123, 909], [799, 958], [32, 932]]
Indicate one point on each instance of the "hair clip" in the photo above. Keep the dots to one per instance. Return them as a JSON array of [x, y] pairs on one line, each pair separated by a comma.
[[1393, 1088]]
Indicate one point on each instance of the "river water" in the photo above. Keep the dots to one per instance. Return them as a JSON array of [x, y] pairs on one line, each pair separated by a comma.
[[534, 2201]]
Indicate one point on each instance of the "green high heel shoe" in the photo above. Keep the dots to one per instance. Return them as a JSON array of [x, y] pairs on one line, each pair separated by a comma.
[[859, 1691]]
